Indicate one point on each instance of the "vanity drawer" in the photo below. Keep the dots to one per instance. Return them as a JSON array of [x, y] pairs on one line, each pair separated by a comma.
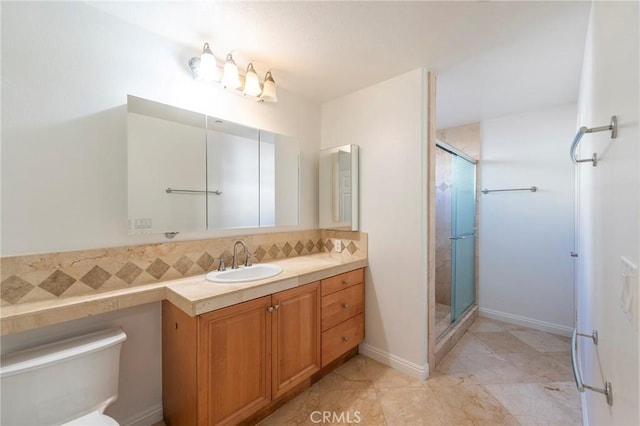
[[342, 305], [333, 284], [339, 339]]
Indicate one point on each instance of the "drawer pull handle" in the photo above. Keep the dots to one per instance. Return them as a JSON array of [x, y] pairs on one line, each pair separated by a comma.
[[345, 305], [345, 339], [345, 282]]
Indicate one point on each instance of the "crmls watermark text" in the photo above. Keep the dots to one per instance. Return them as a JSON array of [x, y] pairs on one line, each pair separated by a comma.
[[335, 417]]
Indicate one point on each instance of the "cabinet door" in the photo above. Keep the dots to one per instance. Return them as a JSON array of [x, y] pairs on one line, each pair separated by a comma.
[[234, 357], [296, 336]]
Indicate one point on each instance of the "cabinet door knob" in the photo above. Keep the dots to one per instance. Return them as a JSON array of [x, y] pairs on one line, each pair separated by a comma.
[[270, 309], [345, 339], [276, 307], [345, 305], [345, 282]]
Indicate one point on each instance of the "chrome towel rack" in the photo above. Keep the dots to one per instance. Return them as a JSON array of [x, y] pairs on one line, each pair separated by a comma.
[[577, 374], [613, 126], [532, 189], [190, 191]]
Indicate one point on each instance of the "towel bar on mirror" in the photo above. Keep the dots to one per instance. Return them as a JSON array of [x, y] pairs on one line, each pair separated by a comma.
[[190, 191], [613, 126], [532, 189], [577, 374]]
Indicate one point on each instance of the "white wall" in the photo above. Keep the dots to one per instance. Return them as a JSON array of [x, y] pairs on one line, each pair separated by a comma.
[[386, 121], [526, 272], [64, 124], [66, 71], [609, 211]]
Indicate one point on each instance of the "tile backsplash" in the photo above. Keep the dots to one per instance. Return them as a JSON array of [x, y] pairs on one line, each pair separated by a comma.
[[31, 278]]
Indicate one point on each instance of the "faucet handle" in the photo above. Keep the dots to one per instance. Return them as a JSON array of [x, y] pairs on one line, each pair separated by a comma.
[[221, 266], [247, 261]]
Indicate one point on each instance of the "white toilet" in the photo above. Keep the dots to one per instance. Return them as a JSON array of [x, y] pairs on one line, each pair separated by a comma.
[[69, 382]]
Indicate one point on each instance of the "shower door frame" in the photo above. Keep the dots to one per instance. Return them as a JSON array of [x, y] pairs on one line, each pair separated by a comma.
[[454, 151]]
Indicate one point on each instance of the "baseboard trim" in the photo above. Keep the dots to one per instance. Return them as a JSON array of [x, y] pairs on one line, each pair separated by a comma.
[[146, 418], [526, 322], [414, 370]]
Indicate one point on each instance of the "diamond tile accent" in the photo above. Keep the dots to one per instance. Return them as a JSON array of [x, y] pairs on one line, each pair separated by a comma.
[[329, 245], [183, 264], [352, 248], [95, 277], [57, 283], [274, 251], [443, 186], [59, 276], [205, 261], [15, 288], [129, 272], [157, 268], [309, 246], [259, 253]]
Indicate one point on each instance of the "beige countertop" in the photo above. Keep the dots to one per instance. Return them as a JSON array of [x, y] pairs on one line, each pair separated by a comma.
[[194, 295]]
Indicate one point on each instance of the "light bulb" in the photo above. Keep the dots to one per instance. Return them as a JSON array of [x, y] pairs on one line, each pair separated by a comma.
[[269, 89], [208, 67], [230, 76], [251, 82]]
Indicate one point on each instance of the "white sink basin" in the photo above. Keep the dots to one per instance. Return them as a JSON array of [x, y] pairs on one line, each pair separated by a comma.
[[243, 274]]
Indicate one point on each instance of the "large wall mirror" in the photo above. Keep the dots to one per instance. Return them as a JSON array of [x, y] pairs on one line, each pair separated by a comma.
[[188, 171], [339, 187]]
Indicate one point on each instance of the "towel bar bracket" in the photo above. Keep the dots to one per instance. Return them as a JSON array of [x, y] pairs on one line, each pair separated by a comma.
[[593, 336], [594, 160]]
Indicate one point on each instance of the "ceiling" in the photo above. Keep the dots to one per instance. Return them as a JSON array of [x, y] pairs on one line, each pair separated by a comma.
[[491, 58]]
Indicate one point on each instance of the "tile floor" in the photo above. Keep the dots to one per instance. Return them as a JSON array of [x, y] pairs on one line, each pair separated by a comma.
[[498, 374]]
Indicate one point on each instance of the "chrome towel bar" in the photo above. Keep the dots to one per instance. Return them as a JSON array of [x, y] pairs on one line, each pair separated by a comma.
[[190, 191], [577, 374], [532, 189], [613, 126]]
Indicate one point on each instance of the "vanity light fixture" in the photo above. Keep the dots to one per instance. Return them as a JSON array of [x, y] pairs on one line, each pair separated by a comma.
[[269, 89], [205, 68], [230, 78], [251, 82]]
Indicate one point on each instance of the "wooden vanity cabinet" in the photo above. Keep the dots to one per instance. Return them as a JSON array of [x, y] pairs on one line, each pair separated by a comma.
[[296, 336], [234, 362], [223, 366], [342, 314]]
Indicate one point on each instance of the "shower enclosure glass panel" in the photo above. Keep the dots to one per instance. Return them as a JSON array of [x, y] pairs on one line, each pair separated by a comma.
[[463, 236]]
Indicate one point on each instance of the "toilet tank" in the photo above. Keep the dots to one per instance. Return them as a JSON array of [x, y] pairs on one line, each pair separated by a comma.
[[61, 381]]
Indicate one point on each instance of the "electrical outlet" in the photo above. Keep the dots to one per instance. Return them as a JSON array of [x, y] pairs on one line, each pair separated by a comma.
[[628, 293], [338, 245], [142, 225]]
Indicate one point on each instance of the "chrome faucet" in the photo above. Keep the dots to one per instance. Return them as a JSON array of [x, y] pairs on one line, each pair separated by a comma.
[[245, 250]]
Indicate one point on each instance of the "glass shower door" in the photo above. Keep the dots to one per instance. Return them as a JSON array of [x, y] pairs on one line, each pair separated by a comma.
[[463, 236]]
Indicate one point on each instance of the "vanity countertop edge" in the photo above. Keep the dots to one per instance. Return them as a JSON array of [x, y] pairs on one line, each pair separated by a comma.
[[194, 295]]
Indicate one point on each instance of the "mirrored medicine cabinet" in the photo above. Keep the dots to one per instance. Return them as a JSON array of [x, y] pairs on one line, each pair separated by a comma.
[[190, 172], [339, 187]]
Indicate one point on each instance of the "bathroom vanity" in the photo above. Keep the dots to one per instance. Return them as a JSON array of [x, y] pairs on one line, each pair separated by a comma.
[[241, 362]]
